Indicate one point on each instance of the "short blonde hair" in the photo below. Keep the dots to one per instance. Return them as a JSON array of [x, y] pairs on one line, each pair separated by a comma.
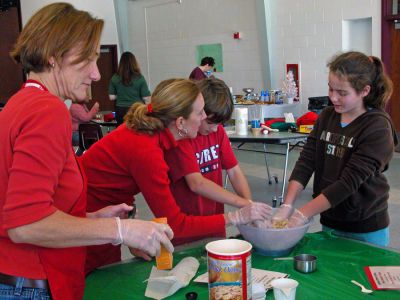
[[53, 31], [171, 99]]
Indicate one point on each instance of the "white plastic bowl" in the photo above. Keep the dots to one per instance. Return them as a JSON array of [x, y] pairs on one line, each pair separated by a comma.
[[273, 242]]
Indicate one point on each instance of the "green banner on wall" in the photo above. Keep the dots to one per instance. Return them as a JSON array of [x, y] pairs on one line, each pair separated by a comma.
[[213, 50]]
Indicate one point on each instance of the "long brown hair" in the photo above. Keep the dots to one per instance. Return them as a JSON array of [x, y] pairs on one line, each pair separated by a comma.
[[361, 70], [128, 68], [170, 100], [53, 31]]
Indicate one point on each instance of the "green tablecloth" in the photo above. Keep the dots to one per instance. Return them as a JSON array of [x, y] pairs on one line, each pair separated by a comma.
[[339, 261]]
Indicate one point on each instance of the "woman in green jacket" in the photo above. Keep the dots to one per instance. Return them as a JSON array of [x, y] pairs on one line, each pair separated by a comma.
[[128, 86]]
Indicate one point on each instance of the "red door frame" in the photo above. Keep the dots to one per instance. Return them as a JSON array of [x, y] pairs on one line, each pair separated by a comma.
[[387, 20], [386, 43]]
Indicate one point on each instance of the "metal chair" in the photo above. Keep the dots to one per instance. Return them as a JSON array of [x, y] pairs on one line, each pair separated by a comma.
[[89, 134]]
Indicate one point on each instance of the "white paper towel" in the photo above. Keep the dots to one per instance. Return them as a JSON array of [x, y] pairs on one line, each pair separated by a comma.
[[241, 120], [162, 284]]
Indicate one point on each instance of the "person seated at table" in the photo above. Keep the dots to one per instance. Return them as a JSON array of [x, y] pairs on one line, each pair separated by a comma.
[[196, 175], [206, 64], [348, 150], [130, 160], [80, 113], [44, 226]]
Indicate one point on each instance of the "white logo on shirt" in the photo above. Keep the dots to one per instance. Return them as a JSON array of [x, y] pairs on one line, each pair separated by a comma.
[[207, 155]]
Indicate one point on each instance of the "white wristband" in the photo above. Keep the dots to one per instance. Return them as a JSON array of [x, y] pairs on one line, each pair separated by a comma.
[[302, 215], [119, 240]]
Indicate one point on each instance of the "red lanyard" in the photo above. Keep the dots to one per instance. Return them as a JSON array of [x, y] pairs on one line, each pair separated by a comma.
[[34, 83]]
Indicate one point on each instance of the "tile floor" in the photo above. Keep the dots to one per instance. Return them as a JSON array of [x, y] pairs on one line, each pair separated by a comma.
[[254, 168]]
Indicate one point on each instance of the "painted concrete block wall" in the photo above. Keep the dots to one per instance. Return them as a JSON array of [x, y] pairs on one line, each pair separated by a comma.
[[103, 9], [165, 34], [309, 32]]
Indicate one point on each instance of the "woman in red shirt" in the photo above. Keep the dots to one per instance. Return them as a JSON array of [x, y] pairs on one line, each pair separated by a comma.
[[43, 219], [130, 160]]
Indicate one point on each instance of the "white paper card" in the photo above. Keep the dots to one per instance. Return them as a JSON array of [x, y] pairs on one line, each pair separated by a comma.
[[257, 276], [289, 118], [384, 277]]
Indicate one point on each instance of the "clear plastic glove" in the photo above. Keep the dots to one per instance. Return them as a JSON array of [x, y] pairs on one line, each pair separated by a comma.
[[267, 223], [297, 219], [146, 236], [282, 213], [139, 253], [251, 212]]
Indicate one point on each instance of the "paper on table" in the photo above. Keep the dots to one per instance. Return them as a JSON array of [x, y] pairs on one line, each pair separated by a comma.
[[289, 118], [384, 277], [257, 276], [162, 284]]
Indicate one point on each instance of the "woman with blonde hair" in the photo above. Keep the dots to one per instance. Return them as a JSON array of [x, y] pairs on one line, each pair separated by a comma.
[[127, 86], [130, 160], [44, 225]]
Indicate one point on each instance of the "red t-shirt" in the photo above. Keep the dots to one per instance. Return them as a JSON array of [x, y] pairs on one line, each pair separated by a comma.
[[39, 175], [214, 154], [125, 163]]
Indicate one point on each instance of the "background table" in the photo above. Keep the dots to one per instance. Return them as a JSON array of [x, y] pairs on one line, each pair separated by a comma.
[[101, 122], [277, 138], [339, 261], [265, 111], [105, 124]]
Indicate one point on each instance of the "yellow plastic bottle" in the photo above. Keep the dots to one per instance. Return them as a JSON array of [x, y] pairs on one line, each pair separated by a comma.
[[165, 260]]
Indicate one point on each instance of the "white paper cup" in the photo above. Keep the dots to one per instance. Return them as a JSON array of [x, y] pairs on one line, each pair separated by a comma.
[[229, 269], [284, 288]]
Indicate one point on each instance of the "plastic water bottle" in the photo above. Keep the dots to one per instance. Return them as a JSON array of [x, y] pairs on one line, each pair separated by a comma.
[[208, 73], [266, 96], [262, 96]]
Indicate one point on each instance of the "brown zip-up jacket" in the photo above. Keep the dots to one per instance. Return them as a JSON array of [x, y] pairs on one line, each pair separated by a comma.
[[348, 164]]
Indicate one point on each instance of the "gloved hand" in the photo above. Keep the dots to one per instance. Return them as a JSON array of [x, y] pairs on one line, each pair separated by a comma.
[[282, 213], [139, 253], [267, 223], [297, 219], [146, 236], [251, 212]]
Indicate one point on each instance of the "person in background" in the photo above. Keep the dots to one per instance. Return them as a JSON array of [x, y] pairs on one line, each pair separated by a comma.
[[80, 113], [348, 150], [206, 65], [128, 86], [44, 225], [130, 160], [196, 179]]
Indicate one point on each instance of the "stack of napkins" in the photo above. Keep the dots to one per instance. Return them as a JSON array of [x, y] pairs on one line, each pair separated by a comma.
[[162, 284]]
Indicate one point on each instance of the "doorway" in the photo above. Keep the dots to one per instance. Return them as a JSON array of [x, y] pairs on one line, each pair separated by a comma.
[[108, 64], [390, 54], [11, 74]]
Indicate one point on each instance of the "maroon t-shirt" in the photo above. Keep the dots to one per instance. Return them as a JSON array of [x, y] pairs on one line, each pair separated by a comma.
[[197, 74]]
